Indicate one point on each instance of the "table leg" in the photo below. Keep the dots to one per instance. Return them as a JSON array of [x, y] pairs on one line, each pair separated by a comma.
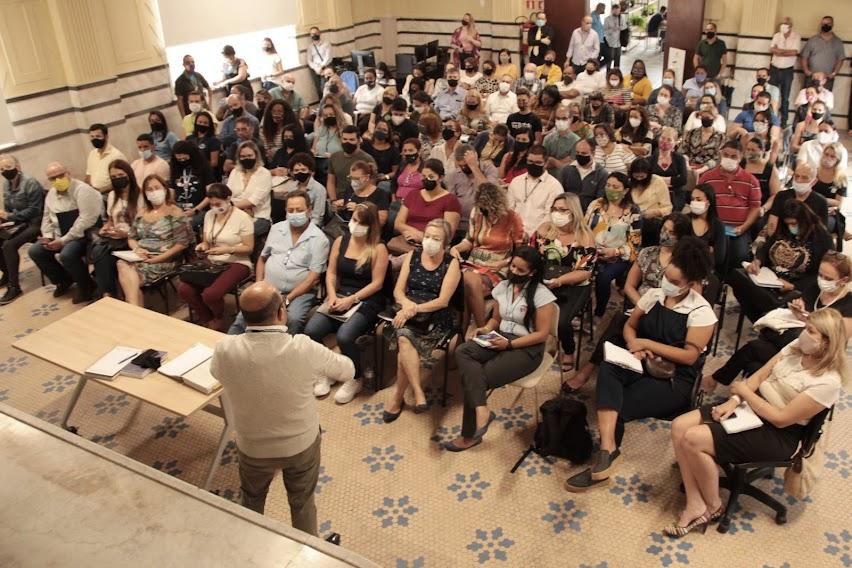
[[75, 396], [223, 441]]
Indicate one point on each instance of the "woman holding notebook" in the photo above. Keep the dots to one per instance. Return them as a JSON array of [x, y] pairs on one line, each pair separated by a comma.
[[668, 332], [786, 393]]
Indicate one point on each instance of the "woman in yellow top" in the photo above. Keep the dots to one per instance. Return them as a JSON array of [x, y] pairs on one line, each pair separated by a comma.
[[651, 195], [505, 65], [549, 71], [639, 83]]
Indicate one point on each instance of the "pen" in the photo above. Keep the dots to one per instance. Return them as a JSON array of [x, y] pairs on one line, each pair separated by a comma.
[[127, 359]]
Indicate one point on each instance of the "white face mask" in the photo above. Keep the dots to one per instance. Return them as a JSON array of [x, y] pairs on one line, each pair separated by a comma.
[[289, 85], [221, 209], [431, 246], [195, 107], [529, 76], [669, 289], [728, 164], [698, 207], [563, 124], [760, 108], [397, 119], [785, 28], [614, 82], [635, 122], [504, 87], [761, 127], [156, 197], [801, 187], [826, 138], [358, 230], [356, 184], [602, 140], [663, 100], [560, 219], [808, 344], [827, 285]]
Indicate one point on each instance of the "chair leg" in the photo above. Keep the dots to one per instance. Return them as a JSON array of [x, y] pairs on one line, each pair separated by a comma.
[[446, 376], [740, 323], [735, 486], [723, 304], [769, 501]]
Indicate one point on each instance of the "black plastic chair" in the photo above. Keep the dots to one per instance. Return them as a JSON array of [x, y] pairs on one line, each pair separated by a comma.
[[161, 285], [457, 304], [740, 477]]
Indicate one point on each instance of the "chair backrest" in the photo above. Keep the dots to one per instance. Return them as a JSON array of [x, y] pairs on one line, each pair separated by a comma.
[[404, 64], [350, 79], [813, 431]]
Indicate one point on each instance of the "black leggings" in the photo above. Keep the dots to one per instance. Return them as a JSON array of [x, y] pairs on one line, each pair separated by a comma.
[[753, 355], [571, 300]]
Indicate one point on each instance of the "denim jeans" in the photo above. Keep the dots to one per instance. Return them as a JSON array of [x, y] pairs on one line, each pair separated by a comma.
[[71, 265], [346, 332], [297, 312], [607, 272]]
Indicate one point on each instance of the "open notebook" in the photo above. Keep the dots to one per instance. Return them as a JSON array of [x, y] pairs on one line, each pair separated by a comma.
[[112, 362], [192, 367], [621, 357], [765, 278], [344, 316]]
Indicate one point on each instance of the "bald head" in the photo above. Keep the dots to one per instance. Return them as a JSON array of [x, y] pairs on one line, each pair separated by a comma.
[[804, 172], [261, 304], [55, 169], [235, 101]]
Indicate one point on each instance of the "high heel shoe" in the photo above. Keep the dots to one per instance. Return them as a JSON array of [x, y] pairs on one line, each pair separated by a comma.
[[677, 531], [388, 417], [714, 516]]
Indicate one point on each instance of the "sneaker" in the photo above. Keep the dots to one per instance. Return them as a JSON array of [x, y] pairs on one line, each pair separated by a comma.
[[12, 292], [322, 387], [61, 289], [347, 392]]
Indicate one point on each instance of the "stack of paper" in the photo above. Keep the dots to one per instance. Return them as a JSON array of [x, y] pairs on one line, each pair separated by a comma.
[[135, 371], [324, 309], [193, 368], [742, 419], [127, 255], [765, 278], [621, 357], [109, 365]]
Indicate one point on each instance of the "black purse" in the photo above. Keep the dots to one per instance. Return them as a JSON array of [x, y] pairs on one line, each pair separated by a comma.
[[201, 274]]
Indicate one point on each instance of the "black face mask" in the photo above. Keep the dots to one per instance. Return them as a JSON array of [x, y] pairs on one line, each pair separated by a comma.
[[816, 84], [330, 121], [472, 106], [98, 143], [10, 174], [448, 133], [202, 128], [596, 105], [826, 28], [349, 147], [817, 115], [370, 84], [590, 71], [567, 79], [267, 49], [334, 89], [452, 82], [315, 37], [521, 146], [711, 35], [518, 278], [182, 163], [158, 126], [237, 112], [466, 169], [387, 100], [429, 184], [248, 163], [289, 143], [761, 80], [583, 159], [706, 122], [535, 170], [117, 182], [641, 182], [302, 177], [380, 135], [410, 158], [488, 71], [548, 61]]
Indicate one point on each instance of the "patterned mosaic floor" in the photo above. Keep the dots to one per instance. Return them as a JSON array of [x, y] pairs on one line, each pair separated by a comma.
[[400, 500]]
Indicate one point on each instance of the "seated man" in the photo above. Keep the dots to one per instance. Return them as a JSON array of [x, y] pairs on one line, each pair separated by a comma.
[[245, 130], [531, 194], [302, 167], [560, 141], [500, 104], [591, 80], [197, 103], [470, 172], [293, 259], [23, 199], [811, 151], [71, 208], [103, 154], [237, 109], [529, 80], [585, 177], [804, 178], [287, 92], [743, 124], [148, 162]]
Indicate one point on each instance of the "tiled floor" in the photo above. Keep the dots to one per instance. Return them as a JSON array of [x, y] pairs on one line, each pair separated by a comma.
[[400, 500]]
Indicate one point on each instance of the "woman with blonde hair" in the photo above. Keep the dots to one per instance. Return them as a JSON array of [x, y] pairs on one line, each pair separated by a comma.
[[567, 245], [473, 117], [798, 383], [465, 41], [356, 272], [831, 183], [382, 111]]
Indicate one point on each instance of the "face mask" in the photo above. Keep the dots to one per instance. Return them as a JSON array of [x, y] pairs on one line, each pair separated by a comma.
[[504, 87], [706, 107], [158, 126], [700, 77], [637, 74], [667, 239], [826, 138], [535, 170], [560, 219], [728, 164], [248, 163], [518, 278], [504, 59], [760, 107], [563, 124], [472, 106], [706, 121], [387, 100], [541, 23], [548, 61], [409, 158], [567, 79], [487, 71], [448, 133], [801, 187], [330, 121], [61, 184], [761, 80], [297, 219], [195, 107], [754, 156], [669, 289], [590, 70], [190, 68], [289, 85], [614, 82], [10, 174], [334, 89], [452, 82], [664, 101], [349, 147], [761, 127], [183, 163], [614, 195], [698, 207], [666, 145], [429, 184], [465, 23], [641, 182], [397, 119], [794, 230], [358, 230], [201, 129], [596, 105], [98, 143], [419, 110], [807, 344], [302, 177], [669, 82], [711, 92], [119, 182], [237, 112], [380, 135], [315, 37], [601, 140], [635, 122], [431, 246], [817, 115], [356, 184], [146, 154], [826, 28], [156, 197], [785, 28], [521, 146], [710, 35], [827, 285], [523, 105], [529, 76], [584, 159], [370, 84]]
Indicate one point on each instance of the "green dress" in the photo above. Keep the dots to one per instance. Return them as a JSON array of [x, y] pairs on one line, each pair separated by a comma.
[[157, 237]]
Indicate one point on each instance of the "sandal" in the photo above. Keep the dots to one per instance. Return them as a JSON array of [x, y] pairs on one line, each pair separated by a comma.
[[677, 531], [714, 516], [567, 364]]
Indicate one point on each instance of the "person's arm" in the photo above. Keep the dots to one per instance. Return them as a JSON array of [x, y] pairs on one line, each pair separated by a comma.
[[697, 338], [696, 60], [331, 273], [631, 285], [379, 268], [453, 218], [34, 196], [90, 206], [543, 325], [331, 186], [402, 282], [181, 105], [305, 286], [402, 227], [724, 61], [448, 288]]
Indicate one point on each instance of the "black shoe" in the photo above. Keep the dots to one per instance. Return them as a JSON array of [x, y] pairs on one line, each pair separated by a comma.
[[421, 408], [61, 289], [388, 417], [12, 292], [582, 482], [83, 296], [4, 281], [604, 464], [333, 538]]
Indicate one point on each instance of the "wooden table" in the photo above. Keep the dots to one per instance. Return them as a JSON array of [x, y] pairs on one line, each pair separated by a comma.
[[78, 340]]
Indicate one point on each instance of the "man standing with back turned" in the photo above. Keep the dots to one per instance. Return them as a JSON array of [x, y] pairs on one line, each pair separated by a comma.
[[268, 376]]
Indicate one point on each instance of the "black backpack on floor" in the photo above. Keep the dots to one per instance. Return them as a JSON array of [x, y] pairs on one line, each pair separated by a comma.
[[563, 431]]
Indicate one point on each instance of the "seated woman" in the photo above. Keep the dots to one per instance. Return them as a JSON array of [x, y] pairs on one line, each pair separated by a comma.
[[793, 253], [670, 165], [160, 234], [420, 207], [124, 202], [409, 178], [524, 318], [702, 146], [674, 323], [761, 166], [251, 187], [616, 94], [514, 163], [664, 113], [568, 247], [707, 226], [651, 195], [763, 131], [204, 136], [578, 124], [798, 383], [426, 283], [832, 291], [356, 273], [808, 129], [609, 154], [473, 118], [617, 226], [646, 273], [831, 183], [492, 233], [191, 174], [707, 105], [378, 145], [362, 176], [292, 142], [545, 107], [636, 132], [227, 239]]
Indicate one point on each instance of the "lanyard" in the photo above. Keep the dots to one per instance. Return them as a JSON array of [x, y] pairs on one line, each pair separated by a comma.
[[213, 236], [527, 193]]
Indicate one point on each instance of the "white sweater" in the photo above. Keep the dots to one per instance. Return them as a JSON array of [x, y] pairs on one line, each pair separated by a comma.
[[268, 378]]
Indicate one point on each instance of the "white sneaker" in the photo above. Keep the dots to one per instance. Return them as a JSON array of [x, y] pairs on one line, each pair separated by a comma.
[[347, 392], [322, 387]]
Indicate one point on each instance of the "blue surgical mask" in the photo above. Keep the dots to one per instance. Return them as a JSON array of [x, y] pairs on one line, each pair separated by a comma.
[[669, 82], [699, 77], [793, 230], [297, 219], [539, 23]]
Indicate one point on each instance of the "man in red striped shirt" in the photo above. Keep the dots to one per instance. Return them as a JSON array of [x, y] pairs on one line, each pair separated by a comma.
[[737, 200]]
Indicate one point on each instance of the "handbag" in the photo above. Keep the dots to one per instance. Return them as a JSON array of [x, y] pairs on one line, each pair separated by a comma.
[[105, 246], [802, 476], [201, 274], [420, 323], [659, 368]]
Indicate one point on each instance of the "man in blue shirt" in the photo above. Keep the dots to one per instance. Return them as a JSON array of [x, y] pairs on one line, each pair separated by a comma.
[[744, 122], [293, 259], [597, 25], [449, 102]]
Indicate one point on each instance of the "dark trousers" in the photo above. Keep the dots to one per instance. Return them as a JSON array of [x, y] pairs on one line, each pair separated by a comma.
[[753, 355], [613, 57], [482, 369], [71, 265], [571, 300], [209, 303], [755, 301], [634, 396], [10, 260], [783, 79], [607, 272], [603, 56], [106, 274], [300, 473], [614, 333], [320, 325], [739, 251]]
